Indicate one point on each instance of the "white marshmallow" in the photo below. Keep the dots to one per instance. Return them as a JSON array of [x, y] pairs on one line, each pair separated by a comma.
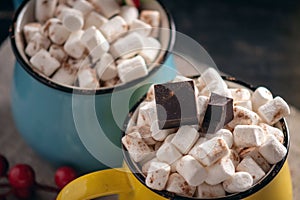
[[151, 17], [59, 11], [193, 151], [243, 116], [178, 185], [94, 19], [44, 62], [95, 42], [180, 78], [137, 148], [146, 135], [250, 166], [108, 8], [260, 96], [87, 78], [72, 19], [106, 68], [240, 94], [202, 102], [220, 171], [140, 27], [248, 136], [150, 93], [114, 28], [150, 50], [185, 138], [257, 157], [37, 43], [65, 75], [44, 9], [55, 30], [272, 150], [147, 113], [84, 62], [132, 69], [30, 29], [83, 6], [70, 2], [174, 166], [234, 157], [271, 130], [246, 104], [223, 133], [168, 153], [129, 13], [169, 138], [127, 46], [58, 53], [239, 182], [211, 151], [73, 46], [159, 134], [274, 110], [158, 175], [191, 170], [145, 166], [208, 191]]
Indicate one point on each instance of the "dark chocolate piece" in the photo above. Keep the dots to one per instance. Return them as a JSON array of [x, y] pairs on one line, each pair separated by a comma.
[[176, 104], [219, 113]]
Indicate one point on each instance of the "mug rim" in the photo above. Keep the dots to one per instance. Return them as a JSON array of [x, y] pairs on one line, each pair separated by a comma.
[[270, 175], [48, 82]]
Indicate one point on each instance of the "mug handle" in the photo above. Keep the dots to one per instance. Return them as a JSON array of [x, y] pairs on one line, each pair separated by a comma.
[[97, 184]]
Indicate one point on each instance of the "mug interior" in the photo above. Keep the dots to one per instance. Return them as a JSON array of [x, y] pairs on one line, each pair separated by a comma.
[[25, 14], [135, 168]]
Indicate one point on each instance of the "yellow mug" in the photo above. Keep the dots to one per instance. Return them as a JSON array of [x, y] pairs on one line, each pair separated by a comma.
[[129, 183]]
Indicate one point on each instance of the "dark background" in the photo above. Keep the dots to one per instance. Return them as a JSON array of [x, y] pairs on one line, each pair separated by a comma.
[[256, 41]]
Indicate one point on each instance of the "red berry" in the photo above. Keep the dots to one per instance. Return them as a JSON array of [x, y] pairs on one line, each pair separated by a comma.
[[3, 165], [21, 176], [64, 175], [23, 193], [137, 3]]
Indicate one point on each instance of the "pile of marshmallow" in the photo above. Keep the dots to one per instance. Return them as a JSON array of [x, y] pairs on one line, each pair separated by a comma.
[[189, 163], [91, 43]]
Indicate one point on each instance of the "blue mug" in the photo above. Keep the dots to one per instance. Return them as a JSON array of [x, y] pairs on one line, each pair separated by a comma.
[[71, 126]]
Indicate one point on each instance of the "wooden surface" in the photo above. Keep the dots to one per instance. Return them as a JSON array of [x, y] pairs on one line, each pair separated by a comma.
[[14, 147]]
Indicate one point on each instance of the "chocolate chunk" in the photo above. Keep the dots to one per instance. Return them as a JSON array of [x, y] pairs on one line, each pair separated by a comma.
[[176, 104], [219, 113]]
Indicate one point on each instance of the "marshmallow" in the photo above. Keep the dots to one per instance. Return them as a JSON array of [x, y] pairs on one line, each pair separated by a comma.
[[250, 166], [145, 166], [44, 62], [272, 150], [169, 138], [147, 113], [37, 43], [208, 191], [44, 9], [158, 175], [274, 110], [202, 102], [158, 145], [159, 134], [246, 104], [127, 46], [140, 27], [211, 151], [114, 28], [72, 19], [174, 165], [83, 6], [30, 29], [260, 96], [273, 131], [239, 182], [178, 185], [58, 53], [225, 134], [95, 42], [151, 49], [87, 78], [65, 75], [151, 17], [111, 82], [168, 153], [84, 62], [234, 157], [129, 13], [193, 151], [70, 2], [146, 134], [240, 94], [191, 170], [94, 19], [185, 138], [150, 93], [74, 46], [106, 68], [180, 78], [108, 8], [220, 171], [257, 157], [132, 69], [136, 147], [59, 10], [243, 116], [55, 30], [248, 136]]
